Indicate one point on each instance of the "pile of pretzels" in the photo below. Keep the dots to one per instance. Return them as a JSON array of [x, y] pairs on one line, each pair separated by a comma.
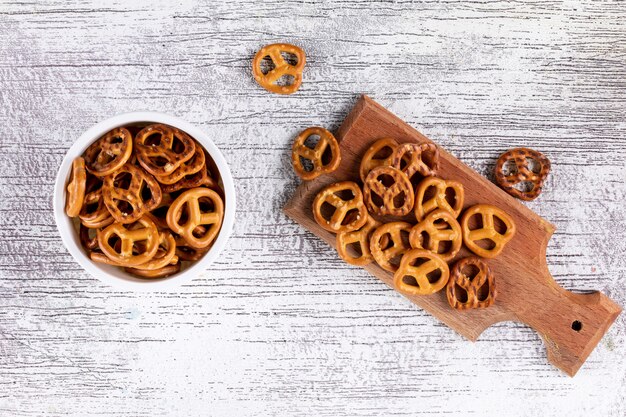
[[146, 200]]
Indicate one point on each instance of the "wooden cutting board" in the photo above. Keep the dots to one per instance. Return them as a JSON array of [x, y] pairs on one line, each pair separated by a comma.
[[570, 324]]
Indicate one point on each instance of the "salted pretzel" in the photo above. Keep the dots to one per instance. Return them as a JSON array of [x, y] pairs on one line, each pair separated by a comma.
[[522, 173], [200, 207], [413, 158], [202, 177], [124, 193], [155, 273], [360, 237], [189, 167], [387, 244], [76, 188], [109, 153], [432, 193], [427, 273], [468, 289], [316, 156], [130, 253], [348, 215], [383, 186], [161, 149], [281, 68], [94, 214], [372, 157], [488, 231], [438, 227]]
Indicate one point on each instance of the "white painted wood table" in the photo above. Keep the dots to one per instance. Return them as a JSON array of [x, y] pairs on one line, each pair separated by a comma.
[[280, 326]]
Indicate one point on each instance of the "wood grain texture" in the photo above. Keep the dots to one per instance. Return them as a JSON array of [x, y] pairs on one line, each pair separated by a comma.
[[281, 326]]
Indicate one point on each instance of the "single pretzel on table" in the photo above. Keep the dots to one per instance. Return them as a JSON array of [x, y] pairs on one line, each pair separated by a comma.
[[161, 149], [316, 156], [362, 238], [189, 167], [76, 188], [109, 153], [129, 253], [191, 204], [427, 273], [281, 68], [487, 231], [388, 184], [439, 226], [432, 193], [388, 242], [414, 158], [522, 173], [349, 213], [372, 158], [468, 289]]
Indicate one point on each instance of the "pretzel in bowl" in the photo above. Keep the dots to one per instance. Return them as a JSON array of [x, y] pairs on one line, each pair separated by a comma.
[[523, 172], [438, 232], [389, 242], [281, 68], [471, 284], [161, 149], [189, 253], [360, 237], [126, 193], [488, 238], [130, 253], [94, 213], [191, 166], [165, 254], [197, 207], [76, 188], [109, 153], [435, 193], [379, 154], [202, 177], [323, 159], [166, 271], [387, 191], [421, 273], [346, 202], [413, 158]]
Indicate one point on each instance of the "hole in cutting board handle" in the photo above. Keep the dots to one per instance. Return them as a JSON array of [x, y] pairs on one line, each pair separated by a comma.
[[577, 326]]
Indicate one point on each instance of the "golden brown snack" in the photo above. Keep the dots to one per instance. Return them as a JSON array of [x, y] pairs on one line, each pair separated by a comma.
[[346, 202], [413, 158], [387, 191], [189, 167], [196, 207], [109, 153], [281, 68], [166, 271], [160, 149], [319, 157], [360, 237], [139, 242], [88, 237], [188, 253], [75, 195], [421, 273], [433, 193], [439, 233], [487, 239], [379, 154], [522, 172], [389, 242], [165, 254], [94, 213], [471, 284]]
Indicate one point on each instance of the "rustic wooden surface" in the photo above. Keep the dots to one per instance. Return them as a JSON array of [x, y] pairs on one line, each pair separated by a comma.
[[281, 326]]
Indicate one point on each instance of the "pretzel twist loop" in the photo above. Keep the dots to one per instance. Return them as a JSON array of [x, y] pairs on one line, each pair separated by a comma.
[[420, 281], [161, 149], [387, 244], [109, 153], [189, 203], [360, 237], [422, 159], [370, 161], [281, 68], [488, 230], [439, 226], [477, 291], [315, 156], [130, 252], [132, 194], [388, 193], [424, 205], [522, 172]]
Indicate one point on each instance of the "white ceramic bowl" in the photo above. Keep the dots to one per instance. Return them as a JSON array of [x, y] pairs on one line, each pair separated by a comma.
[[115, 275]]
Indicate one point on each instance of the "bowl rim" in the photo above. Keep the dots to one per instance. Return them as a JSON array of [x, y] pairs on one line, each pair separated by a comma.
[[116, 276]]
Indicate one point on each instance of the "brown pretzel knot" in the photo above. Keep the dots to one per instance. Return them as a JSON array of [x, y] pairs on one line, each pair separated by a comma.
[[166, 271], [379, 154], [76, 188], [475, 288], [202, 177], [281, 68], [437, 228], [189, 167], [384, 187], [165, 254], [432, 193], [522, 173], [196, 207], [130, 252], [360, 237], [421, 273], [109, 153], [318, 156], [160, 149], [349, 212], [488, 232], [94, 214], [125, 191], [413, 158], [387, 244]]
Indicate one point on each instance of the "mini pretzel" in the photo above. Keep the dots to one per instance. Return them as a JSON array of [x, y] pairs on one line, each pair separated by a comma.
[[418, 159], [487, 231], [439, 226], [316, 156], [94, 214], [348, 215], [360, 236], [189, 167], [130, 235], [202, 177], [160, 149], [424, 203], [369, 160], [387, 194], [464, 291], [522, 172], [119, 198], [155, 273], [386, 243], [188, 203], [281, 68], [165, 254], [76, 188], [109, 153], [427, 273]]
